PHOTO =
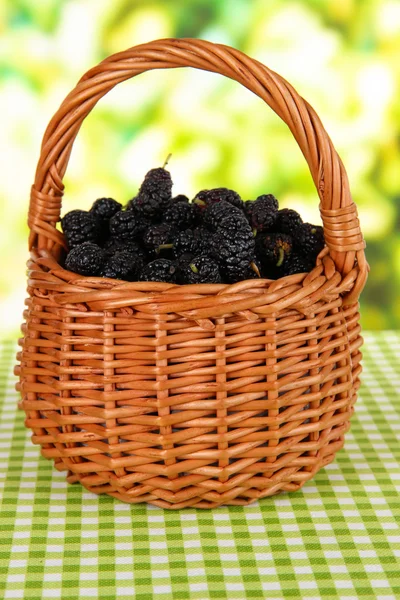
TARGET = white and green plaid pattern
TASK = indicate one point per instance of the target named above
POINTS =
(338, 537)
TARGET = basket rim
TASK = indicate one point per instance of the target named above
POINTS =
(204, 303)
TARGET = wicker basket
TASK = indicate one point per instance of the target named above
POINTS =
(197, 395)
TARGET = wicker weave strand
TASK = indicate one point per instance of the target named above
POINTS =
(191, 395)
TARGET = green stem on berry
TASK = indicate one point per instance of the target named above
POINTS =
(166, 160)
(255, 269)
(281, 257)
(199, 202)
(254, 232)
(164, 247)
(194, 268)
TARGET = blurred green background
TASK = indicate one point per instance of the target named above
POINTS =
(342, 56)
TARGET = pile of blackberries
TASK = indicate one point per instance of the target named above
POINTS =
(215, 238)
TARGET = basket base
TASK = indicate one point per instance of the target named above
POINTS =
(235, 496)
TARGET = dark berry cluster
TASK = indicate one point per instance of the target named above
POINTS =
(216, 238)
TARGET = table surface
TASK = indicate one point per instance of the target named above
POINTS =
(338, 537)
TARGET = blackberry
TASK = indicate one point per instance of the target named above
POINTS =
(158, 235)
(80, 226)
(201, 269)
(263, 212)
(309, 240)
(203, 240)
(86, 259)
(287, 221)
(180, 214)
(269, 199)
(184, 243)
(250, 271)
(160, 269)
(124, 264)
(273, 251)
(232, 243)
(126, 224)
(114, 245)
(297, 264)
(234, 251)
(224, 216)
(105, 208)
(193, 241)
(206, 198)
(181, 263)
(180, 198)
(154, 193)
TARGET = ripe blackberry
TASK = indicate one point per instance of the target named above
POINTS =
(234, 251)
(273, 251)
(309, 240)
(297, 264)
(181, 263)
(193, 241)
(263, 212)
(86, 259)
(105, 208)
(206, 198)
(201, 269)
(232, 243)
(158, 235)
(80, 226)
(126, 224)
(270, 199)
(113, 245)
(250, 271)
(288, 221)
(154, 193)
(180, 198)
(203, 240)
(160, 269)
(124, 264)
(184, 243)
(180, 214)
(224, 216)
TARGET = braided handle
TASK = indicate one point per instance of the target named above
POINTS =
(338, 211)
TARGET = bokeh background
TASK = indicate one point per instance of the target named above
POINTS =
(342, 56)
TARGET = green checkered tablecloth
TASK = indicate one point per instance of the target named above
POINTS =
(338, 537)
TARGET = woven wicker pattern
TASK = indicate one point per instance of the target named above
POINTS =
(191, 395)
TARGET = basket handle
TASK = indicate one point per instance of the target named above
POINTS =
(338, 211)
